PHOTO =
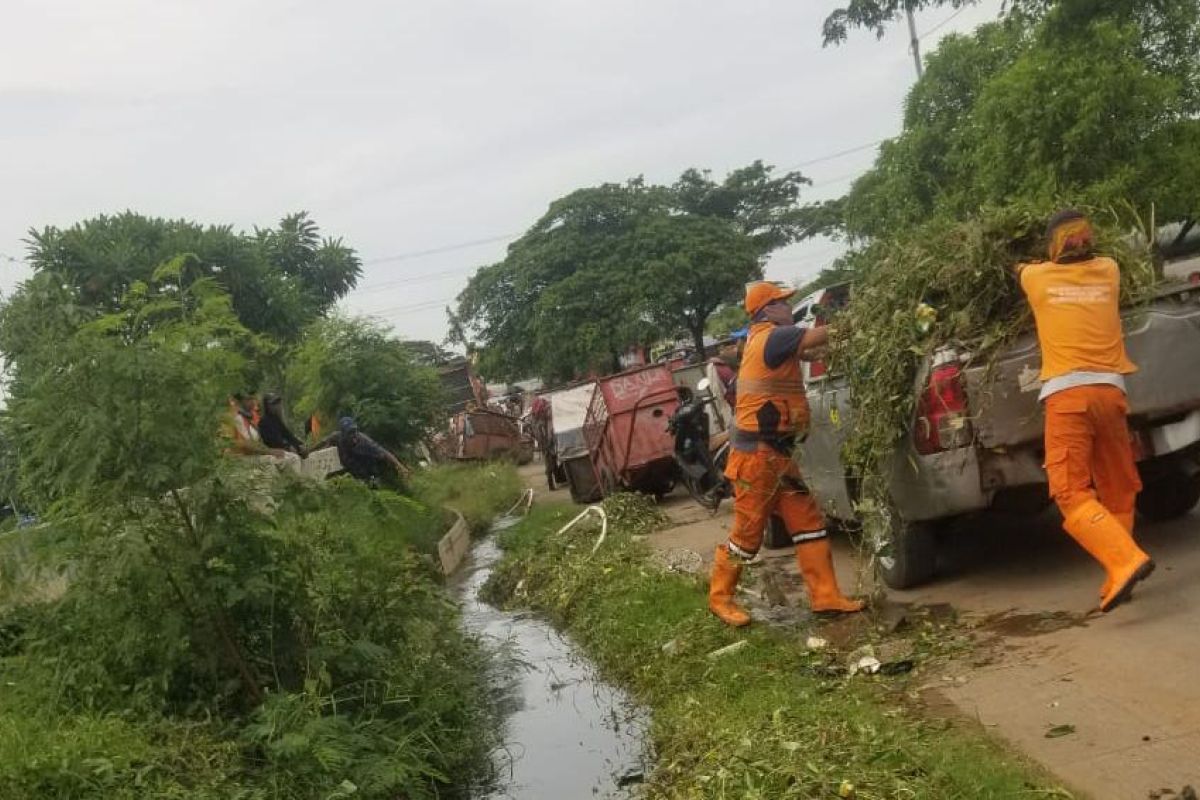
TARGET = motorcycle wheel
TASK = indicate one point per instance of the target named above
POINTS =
(694, 489)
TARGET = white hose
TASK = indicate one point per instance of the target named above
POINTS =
(581, 515)
(526, 498)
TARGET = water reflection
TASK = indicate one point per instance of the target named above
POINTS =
(567, 734)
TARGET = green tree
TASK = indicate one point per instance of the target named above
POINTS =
(1094, 103)
(279, 280)
(355, 367)
(875, 15)
(695, 265)
(619, 265)
(763, 206)
(127, 407)
(429, 354)
(726, 320)
(508, 313)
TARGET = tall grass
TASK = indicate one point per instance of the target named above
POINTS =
(477, 491)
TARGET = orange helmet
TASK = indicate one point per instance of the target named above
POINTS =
(759, 293)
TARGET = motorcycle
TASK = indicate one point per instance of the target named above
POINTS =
(701, 470)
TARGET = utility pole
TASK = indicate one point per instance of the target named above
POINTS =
(915, 45)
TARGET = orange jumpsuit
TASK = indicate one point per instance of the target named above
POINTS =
(771, 404)
(772, 410)
(1089, 459)
(1088, 452)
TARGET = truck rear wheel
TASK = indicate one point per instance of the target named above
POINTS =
(910, 559)
(1169, 495)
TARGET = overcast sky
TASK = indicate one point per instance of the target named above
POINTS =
(408, 127)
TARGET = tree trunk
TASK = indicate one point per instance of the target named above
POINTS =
(697, 332)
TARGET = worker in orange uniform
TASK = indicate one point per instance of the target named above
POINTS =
(771, 412)
(1089, 458)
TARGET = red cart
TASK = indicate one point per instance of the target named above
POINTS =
(626, 430)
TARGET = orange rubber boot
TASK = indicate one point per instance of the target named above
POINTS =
(816, 565)
(721, 586)
(1107, 540)
(1126, 520)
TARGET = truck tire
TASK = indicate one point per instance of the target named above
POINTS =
(1169, 495)
(911, 557)
(777, 535)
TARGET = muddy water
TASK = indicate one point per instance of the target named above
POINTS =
(566, 734)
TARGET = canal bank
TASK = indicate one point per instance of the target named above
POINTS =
(747, 713)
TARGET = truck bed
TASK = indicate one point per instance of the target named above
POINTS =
(1162, 338)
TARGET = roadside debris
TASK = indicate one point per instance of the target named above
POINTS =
(598, 511)
(631, 778)
(727, 649)
(682, 560)
(1060, 730)
(1187, 793)
(863, 660)
(815, 643)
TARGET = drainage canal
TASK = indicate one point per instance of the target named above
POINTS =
(566, 734)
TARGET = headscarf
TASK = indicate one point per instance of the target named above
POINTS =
(1069, 237)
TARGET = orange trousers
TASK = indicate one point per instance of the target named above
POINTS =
(1088, 451)
(768, 482)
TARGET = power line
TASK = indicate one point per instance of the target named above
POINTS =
(428, 276)
(420, 278)
(942, 24)
(503, 237)
(423, 306)
(443, 249)
(838, 154)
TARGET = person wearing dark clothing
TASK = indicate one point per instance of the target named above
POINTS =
(274, 432)
(361, 456)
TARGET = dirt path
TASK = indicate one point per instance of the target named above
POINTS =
(1128, 682)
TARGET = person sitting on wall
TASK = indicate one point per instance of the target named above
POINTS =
(274, 431)
(242, 431)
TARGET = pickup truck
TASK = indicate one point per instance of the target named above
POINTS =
(975, 442)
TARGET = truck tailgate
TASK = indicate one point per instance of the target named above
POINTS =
(1163, 339)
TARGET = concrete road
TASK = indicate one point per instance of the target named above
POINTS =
(1129, 681)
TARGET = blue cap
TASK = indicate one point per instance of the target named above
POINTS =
(347, 425)
(740, 333)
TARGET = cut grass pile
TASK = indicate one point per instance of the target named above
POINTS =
(764, 721)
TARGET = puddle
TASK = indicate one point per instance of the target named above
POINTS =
(1027, 625)
(566, 734)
